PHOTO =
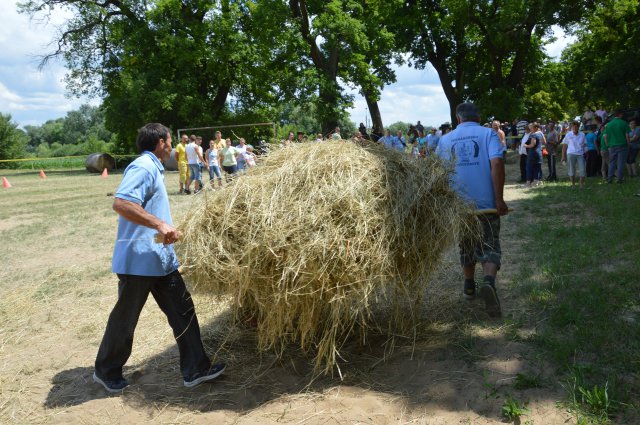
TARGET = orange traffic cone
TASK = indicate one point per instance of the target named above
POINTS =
(42, 175)
(5, 183)
(105, 174)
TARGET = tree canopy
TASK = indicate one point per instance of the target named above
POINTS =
(485, 51)
(190, 63)
(12, 140)
(601, 67)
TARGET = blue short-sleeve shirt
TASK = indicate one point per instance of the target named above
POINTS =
(472, 147)
(392, 142)
(433, 140)
(136, 252)
(591, 141)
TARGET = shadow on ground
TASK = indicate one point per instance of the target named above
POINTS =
(458, 360)
(253, 379)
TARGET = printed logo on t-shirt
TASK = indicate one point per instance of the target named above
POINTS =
(465, 150)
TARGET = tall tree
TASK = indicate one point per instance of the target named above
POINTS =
(547, 97)
(13, 141)
(173, 61)
(380, 51)
(602, 67)
(435, 32)
(347, 41)
(483, 50)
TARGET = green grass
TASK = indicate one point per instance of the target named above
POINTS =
(512, 409)
(45, 164)
(582, 291)
(59, 163)
(525, 381)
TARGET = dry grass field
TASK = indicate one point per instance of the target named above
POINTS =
(56, 291)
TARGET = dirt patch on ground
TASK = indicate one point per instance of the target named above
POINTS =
(12, 222)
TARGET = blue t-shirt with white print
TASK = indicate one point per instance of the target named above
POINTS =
(472, 147)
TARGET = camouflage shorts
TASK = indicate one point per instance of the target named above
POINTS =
(487, 248)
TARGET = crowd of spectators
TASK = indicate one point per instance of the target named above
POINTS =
(220, 156)
(596, 144)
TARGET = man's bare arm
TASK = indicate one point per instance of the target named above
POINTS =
(201, 158)
(497, 177)
(134, 213)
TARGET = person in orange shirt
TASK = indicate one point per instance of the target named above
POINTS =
(181, 157)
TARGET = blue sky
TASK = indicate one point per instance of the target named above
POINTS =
(31, 96)
(34, 96)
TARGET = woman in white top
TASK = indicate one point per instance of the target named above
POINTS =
(213, 159)
(574, 147)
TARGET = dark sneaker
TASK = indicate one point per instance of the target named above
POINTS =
(491, 302)
(469, 291)
(114, 386)
(187, 192)
(200, 377)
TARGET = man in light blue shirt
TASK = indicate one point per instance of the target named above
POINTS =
(391, 142)
(145, 267)
(433, 139)
(476, 154)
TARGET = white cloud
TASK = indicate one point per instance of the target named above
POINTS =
(417, 96)
(30, 95)
(562, 40)
(7, 96)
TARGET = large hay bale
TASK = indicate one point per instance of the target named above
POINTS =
(97, 162)
(317, 235)
(171, 164)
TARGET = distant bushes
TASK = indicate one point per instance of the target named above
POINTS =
(91, 145)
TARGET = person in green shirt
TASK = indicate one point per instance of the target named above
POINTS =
(616, 140)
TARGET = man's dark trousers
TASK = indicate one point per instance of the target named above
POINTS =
(174, 300)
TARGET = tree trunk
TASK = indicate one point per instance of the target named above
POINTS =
(326, 105)
(217, 106)
(452, 111)
(327, 66)
(453, 94)
(374, 111)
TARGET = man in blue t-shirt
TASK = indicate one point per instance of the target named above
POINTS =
(391, 142)
(433, 139)
(476, 153)
(144, 266)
